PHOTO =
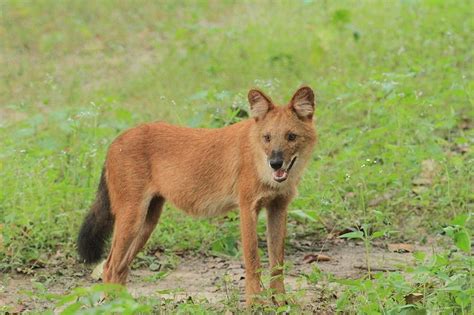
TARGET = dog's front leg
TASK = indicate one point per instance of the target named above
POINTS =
(248, 230)
(276, 232)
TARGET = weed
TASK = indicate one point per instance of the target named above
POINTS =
(439, 284)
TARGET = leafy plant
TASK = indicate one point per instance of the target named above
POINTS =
(367, 238)
(440, 284)
(459, 233)
(99, 299)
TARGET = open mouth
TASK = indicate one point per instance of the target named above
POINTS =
(280, 175)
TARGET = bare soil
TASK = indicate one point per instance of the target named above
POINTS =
(210, 278)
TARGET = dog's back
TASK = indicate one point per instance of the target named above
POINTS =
(195, 169)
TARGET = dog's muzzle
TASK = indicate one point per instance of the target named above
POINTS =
(281, 174)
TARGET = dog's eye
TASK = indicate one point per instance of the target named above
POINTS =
(291, 137)
(267, 138)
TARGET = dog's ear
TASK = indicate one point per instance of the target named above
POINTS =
(260, 104)
(302, 103)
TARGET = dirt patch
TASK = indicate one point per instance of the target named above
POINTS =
(206, 277)
(8, 115)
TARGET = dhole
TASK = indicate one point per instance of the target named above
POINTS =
(253, 164)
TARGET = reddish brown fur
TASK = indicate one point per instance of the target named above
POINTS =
(207, 172)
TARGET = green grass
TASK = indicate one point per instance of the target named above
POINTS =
(394, 83)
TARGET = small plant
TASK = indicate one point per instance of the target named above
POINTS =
(442, 283)
(232, 292)
(99, 299)
(364, 234)
(457, 230)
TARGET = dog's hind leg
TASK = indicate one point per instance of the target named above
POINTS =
(152, 217)
(133, 227)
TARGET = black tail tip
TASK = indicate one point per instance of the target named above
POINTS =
(91, 240)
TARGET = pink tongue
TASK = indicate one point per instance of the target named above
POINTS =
(280, 173)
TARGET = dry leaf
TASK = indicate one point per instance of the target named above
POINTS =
(98, 270)
(401, 248)
(461, 148)
(465, 124)
(429, 168)
(349, 195)
(413, 298)
(26, 270)
(420, 181)
(36, 263)
(337, 233)
(17, 309)
(310, 258)
(379, 199)
(419, 189)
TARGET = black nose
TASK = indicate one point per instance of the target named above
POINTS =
(276, 159)
(276, 164)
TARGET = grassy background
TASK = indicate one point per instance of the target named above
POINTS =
(394, 83)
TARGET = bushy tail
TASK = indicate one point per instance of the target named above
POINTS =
(97, 226)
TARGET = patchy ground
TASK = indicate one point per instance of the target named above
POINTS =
(215, 279)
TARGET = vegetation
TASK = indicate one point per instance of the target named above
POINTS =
(394, 84)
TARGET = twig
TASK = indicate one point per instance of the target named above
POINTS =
(391, 269)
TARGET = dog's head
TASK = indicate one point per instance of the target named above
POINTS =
(284, 134)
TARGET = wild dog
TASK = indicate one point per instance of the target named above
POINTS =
(256, 163)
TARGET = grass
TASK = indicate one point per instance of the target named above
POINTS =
(394, 84)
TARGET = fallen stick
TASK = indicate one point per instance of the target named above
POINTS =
(390, 269)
